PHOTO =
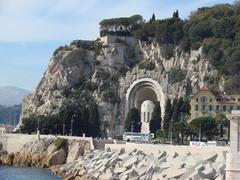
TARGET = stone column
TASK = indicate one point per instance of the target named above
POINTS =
(233, 156)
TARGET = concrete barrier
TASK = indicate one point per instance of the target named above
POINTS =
(170, 149)
(14, 142)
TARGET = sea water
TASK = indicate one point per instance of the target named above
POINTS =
(19, 173)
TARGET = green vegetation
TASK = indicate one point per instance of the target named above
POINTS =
(177, 75)
(160, 134)
(206, 125)
(155, 122)
(148, 65)
(167, 116)
(133, 121)
(116, 25)
(216, 29)
(84, 118)
(60, 143)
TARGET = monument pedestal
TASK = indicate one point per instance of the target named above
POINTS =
(233, 156)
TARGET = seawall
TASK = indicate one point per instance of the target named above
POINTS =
(12, 143)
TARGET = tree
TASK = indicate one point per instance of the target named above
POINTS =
(207, 125)
(160, 134)
(167, 116)
(223, 123)
(152, 19)
(94, 124)
(177, 109)
(155, 122)
(175, 15)
(28, 125)
(133, 120)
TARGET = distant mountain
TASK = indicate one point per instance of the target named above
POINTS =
(10, 115)
(10, 96)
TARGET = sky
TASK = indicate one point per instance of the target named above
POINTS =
(30, 30)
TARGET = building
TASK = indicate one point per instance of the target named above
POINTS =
(204, 103)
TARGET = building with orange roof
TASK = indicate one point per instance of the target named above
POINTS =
(204, 103)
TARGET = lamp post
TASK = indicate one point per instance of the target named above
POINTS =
(132, 128)
(200, 132)
(63, 128)
(72, 124)
(38, 130)
(171, 133)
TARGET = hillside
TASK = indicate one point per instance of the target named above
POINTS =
(180, 55)
(10, 96)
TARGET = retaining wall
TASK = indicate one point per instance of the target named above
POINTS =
(14, 142)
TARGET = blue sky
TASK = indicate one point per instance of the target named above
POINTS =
(31, 29)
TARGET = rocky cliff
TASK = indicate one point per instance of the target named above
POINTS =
(103, 70)
(45, 152)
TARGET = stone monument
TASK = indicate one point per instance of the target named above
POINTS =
(233, 157)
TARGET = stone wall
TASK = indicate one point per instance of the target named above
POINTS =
(12, 143)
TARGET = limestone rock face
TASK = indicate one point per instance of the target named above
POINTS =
(103, 70)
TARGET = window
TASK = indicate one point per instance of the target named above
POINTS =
(148, 116)
(217, 107)
(210, 107)
(224, 108)
(238, 107)
(231, 108)
(196, 107)
(204, 99)
(210, 100)
(238, 99)
(203, 108)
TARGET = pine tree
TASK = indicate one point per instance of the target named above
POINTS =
(167, 116)
(133, 120)
(156, 119)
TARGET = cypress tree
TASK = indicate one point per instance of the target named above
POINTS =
(94, 125)
(167, 116)
(133, 117)
(156, 119)
(152, 19)
(176, 15)
(177, 110)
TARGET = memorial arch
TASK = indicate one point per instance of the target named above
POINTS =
(144, 92)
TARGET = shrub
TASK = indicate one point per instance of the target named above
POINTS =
(177, 75)
(148, 65)
(60, 143)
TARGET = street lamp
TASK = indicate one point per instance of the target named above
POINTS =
(200, 132)
(72, 124)
(63, 128)
(38, 130)
(171, 133)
